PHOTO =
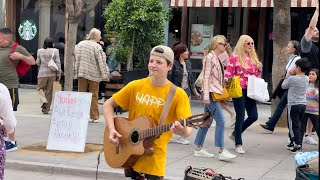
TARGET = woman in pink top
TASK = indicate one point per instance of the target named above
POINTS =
(243, 62)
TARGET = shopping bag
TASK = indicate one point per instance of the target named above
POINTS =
(257, 89)
(56, 87)
(234, 89)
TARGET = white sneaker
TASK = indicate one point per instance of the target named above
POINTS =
(309, 140)
(225, 155)
(239, 150)
(181, 140)
(203, 153)
(178, 139)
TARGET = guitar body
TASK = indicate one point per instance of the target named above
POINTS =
(138, 136)
(130, 147)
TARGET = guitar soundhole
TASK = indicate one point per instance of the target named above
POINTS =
(134, 136)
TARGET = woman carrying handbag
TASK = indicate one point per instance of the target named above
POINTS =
(213, 83)
(47, 75)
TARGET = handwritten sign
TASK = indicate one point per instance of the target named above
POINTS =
(69, 121)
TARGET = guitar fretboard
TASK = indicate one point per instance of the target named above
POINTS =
(157, 130)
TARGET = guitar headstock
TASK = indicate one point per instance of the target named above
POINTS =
(200, 120)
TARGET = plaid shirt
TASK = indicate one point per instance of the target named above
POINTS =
(90, 62)
(213, 74)
(43, 57)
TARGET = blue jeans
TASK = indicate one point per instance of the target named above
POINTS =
(219, 133)
(282, 104)
(240, 105)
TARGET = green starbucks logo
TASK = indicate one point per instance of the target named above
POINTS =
(27, 30)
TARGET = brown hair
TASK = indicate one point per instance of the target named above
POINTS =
(178, 50)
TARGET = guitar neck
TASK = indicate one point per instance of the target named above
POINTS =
(157, 130)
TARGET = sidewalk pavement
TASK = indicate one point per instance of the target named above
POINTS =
(266, 155)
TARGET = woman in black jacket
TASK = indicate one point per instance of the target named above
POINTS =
(182, 77)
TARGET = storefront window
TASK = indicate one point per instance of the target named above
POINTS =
(48, 20)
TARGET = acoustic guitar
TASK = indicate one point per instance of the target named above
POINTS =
(138, 136)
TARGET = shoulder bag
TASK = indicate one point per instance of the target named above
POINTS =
(225, 95)
(278, 92)
(22, 68)
(51, 64)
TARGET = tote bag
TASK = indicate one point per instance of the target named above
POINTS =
(234, 89)
(257, 89)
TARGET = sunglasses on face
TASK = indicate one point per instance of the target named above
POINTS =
(249, 43)
(223, 44)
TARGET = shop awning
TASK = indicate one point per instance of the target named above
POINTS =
(238, 3)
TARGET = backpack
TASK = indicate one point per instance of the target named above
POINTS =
(22, 68)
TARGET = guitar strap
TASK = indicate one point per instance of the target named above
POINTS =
(167, 104)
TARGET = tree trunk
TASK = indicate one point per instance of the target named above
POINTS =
(69, 59)
(130, 58)
(75, 10)
(281, 37)
(2, 13)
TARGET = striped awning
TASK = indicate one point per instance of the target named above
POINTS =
(239, 3)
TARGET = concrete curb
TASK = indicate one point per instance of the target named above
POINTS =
(60, 169)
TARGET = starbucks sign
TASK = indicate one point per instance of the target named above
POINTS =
(27, 30)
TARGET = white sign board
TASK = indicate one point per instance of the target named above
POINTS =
(69, 121)
(201, 35)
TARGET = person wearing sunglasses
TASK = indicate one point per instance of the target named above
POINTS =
(213, 66)
(146, 97)
(243, 62)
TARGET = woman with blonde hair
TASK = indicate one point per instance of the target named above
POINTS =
(213, 83)
(243, 62)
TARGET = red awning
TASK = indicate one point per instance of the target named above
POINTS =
(239, 3)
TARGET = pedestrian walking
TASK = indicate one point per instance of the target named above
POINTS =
(46, 75)
(182, 77)
(146, 97)
(213, 83)
(243, 62)
(293, 50)
(7, 121)
(8, 74)
(90, 68)
(297, 87)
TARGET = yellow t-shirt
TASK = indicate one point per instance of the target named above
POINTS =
(140, 97)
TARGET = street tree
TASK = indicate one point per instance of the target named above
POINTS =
(2, 13)
(139, 24)
(281, 37)
(74, 10)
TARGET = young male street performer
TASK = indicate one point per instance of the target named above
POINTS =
(146, 97)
